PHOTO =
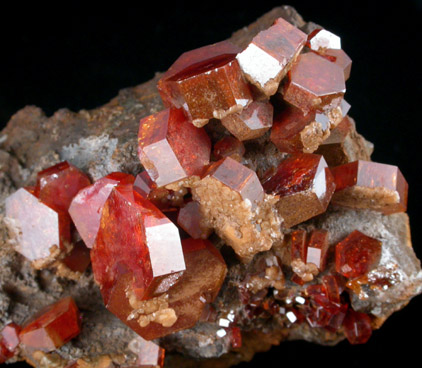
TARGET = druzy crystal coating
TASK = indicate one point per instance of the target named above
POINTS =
(207, 83)
(269, 56)
(171, 148)
(52, 327)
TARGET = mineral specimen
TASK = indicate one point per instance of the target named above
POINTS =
(286, 231)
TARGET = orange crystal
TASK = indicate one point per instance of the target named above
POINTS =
(316, 252)
(357, 254)
(304, 186)
(269, 56)
(357, 327)
(38, 229)
(52, 327)
(58, 185)
(366, 184)
(87, 205)
(136, 241)
(170, 148)
(229, 146)
(9, 341)
(252, 122)
(314, 83)
(189, 219)
(206, 82)
(238, 178)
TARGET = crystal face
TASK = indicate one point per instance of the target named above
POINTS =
(302, 178)
(148, 353)
(269, 56)
(40, 230)
(357, 254)
(321, 39)
(314, 83)
(365, 184)
(207, 83)
(85, 209)
(170, 148)
(52, 327)
(9, 341)
(189, 219)
(147, 235)
(252, 122)
(229, 146)
(341, 59)
(357, 327)
(57, 185)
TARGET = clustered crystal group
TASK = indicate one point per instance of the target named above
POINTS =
(147, 237)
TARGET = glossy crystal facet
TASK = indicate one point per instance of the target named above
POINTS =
(303, 179)
(39, 230)
(366, 184)
(57, 185)
(321, 39)
(207, 83)
(52, 327)
(357, 254)
(189, 219)
(86, 206)
(170, 148)
(135, 240)
(314, 83)
(229, 146)
(269, 56)
(252, 122)
(357, 327)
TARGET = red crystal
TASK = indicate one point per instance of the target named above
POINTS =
(357, 327)
(357, 254)
(235, 337)
(252, 122)
(87, 205)
(170, 148)
(321, 39)
(137, 240)
(332, 288)
(314, 83)
(148, 353)
(143, 184)
(317, 249)
(189, 219)
(300, 179)
(9, 341)
(206, 82)
(268, 57)
(239, 178)
(58, 185)
(298, 245)
(78, 259)
(39, 229)
(229, 147)
(52, 327)
(341, 59)
(365, 184)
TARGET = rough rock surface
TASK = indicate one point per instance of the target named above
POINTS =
(103, 140)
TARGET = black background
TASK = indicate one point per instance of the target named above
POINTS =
(75, 57)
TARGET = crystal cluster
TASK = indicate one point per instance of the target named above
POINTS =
(155, 239)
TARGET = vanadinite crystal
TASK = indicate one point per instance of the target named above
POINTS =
(229, 146)
(365, 184)
(269, 56)
(136, 243)
(52, 327)
(9, 341)
(171, 148)
(207, 83)
(252, 122)
(189, 219)
(40, 231)
(87, 205)
(314, 83)
(57, 185)
(357, 327)
(300, 179)
(148, 354)
(357, 254)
